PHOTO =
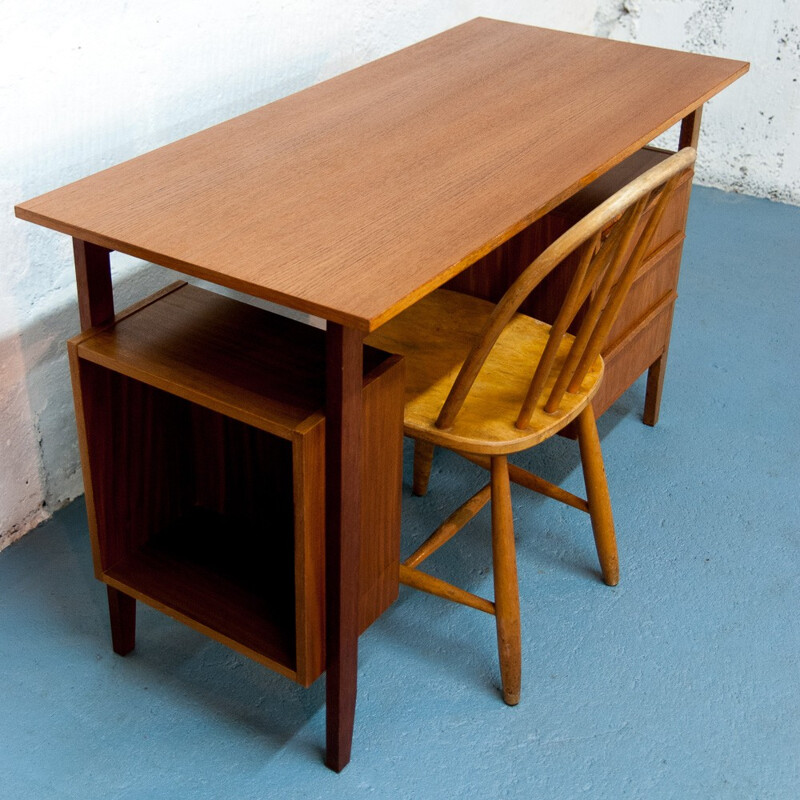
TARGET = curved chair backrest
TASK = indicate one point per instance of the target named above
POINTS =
(610, 243)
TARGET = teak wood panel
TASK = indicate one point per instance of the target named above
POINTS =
(625, 364)
(494, 273)
(355, 197)
(213, 520)
(654, 289)
(229, 356)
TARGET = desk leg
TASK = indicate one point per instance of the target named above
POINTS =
(655, 385)
(688, 137)
(655, 381)
(96, 307)
(690, 129)
(93, 276)
(343, 530)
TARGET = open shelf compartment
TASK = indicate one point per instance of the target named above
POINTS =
(202, 433)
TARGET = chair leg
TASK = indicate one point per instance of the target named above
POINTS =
(506, 589)
(423, 459)
(594, 476)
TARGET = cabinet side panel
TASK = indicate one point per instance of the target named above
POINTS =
(137, 451)
(94, 505)
(381, 490)
(308, 470)
(379, 560)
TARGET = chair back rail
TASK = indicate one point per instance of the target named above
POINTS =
(612, 245)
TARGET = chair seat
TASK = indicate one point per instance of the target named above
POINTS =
(435, 336)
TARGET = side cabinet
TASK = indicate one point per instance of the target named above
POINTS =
(640, 337)
(202, 433)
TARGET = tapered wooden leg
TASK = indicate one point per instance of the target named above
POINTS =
(655, 381)
(594, 476)
(122, 611)
(423, 459)
(690, 129)
(96, 307)
(688, 137)
(506, 589)
(655, 385)
(343, 529)
(93, 278)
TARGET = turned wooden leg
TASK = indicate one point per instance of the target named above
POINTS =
(423, 459)
(506, 589)
(594, 476)
(122, 611)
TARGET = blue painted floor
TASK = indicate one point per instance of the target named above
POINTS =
(682, 682)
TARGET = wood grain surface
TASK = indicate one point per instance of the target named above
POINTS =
(436, 335)
(354, 197)
(203, 442)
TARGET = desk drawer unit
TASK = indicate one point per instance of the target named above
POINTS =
(641, 333)
(202, 431)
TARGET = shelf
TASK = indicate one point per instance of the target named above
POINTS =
(245, 595)
(234, 358)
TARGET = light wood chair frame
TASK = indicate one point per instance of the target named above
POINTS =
(610, 243)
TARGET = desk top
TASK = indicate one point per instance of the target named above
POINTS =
(353, 198)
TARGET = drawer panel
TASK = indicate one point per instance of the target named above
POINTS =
(657, 278)
(489, 277)
(672, 222)
(626, 362)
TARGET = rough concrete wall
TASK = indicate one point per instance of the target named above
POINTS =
(749, 137)
(86, 85)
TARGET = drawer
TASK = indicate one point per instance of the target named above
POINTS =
(657, 278)
(489, 277)
(674, 219)
(632, 355)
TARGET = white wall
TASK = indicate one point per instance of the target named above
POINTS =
(88, 83)
(749, 138)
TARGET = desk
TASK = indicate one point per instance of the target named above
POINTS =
(354, 198)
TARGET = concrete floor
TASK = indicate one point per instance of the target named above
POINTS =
(682, 682)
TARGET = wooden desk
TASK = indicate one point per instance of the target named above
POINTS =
(355, 197)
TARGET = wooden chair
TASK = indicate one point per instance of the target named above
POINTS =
(486, 381)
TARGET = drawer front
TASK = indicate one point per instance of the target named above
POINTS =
(672, 222)
(626, 362)
(641, 332)
(489, 277)
(658, 277)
